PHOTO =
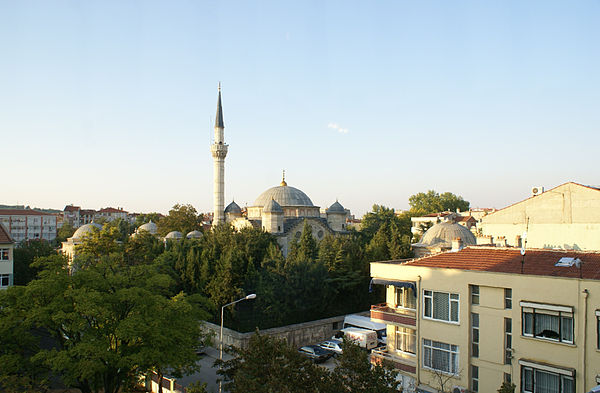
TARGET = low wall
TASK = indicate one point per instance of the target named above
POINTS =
(296, 335)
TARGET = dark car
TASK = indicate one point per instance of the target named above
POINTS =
(315, 353)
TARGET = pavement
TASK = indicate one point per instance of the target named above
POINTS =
(207, 373)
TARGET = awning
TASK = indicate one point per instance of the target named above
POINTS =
(396, 283)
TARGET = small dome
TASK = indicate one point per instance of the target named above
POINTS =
(174, 235)
(86, 230)
(194, 235)
(445, 232)
(336, 208)
(233, 208)
(272, 207)
(284, 196)
(148, 227)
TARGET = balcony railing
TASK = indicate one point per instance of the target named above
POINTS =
(381, 354)
(395, 315)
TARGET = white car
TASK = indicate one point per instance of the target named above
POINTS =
(334, 346)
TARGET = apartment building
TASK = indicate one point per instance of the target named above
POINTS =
(111, 213)
(471, 319)
(6, 258)
(28, 224)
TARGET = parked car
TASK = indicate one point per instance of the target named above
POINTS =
(334, 346)
(315, 353)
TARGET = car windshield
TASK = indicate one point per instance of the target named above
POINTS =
(319, 350)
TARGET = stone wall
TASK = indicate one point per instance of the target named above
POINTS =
(296, 335)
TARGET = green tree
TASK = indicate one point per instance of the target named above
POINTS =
(147, 217)
(25, 254)
(507, 387)
(433, 202)
(64, 232)
(354, 373)
(270, 365)
(306, 248)
(110, 322)
(181, 218)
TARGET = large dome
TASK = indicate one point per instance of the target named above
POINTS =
(149, 227)
(445, 232)
(85, 230)
(285, 196)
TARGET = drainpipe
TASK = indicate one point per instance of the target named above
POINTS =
(584, 338)
(418, 320)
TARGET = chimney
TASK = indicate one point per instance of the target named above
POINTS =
(457, 244)
(485, 240)
(501, 241)
(518, 241)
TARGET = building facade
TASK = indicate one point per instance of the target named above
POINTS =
(471, 319)
(28, 224)
(6, 258)
(566, 217)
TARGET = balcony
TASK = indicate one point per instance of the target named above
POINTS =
(381, 354)
(394, 315)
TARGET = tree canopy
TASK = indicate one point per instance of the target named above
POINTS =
(433, 202)
(181, 218)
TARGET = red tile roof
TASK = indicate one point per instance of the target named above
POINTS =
(464, 218)
(23, 212)
(538, 262)
(4, 235)
(71, 208)
(111, 210)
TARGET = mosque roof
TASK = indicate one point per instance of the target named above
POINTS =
(194, 235)
(272, 207)
(149, 227)
(336, 208)
(284, 195)
(86, 230)
(219, 118)
(445, 232)
(233, 208)
(174, 235)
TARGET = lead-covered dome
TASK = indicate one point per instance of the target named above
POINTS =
(336, 208)
(445, 232)
(194, 235)
(272, 207)
(174, 235)
(85, 230)
(284, 195)
(233, 208)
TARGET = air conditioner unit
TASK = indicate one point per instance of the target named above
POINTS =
(459, 389)
(537, 190)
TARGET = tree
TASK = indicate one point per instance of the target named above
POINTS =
(433, 202)
(306, 248)
(147, 217)
(64, 232)
(25, 254)
(354, 372)
(110, 322)
(181, 218)
(270, 365)
(507, 387)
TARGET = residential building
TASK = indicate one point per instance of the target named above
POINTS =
(111, 214)
(6, 258)
(482, 315)
(565, 217)
(71, 214)
(28, 224)
(86, 216)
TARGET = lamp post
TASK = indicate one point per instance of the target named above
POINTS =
(251, 296)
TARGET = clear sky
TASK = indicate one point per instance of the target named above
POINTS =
(112, 103)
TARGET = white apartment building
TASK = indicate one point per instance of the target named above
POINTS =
(6, 258)
(28, 224)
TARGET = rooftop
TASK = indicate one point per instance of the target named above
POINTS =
(4, 235)
(23, 212)
(538, 262)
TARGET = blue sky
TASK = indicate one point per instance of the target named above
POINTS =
(112, 103)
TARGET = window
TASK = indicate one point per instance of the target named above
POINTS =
(507, 298)
(507, 378)
(406, 340)
(474, 294)
(440, 356)
(548, 322)
(475, 335)
(534, 380)
(405, 298)
(507, 340)
(4, 280)
(474, 379)
(3, 254)
(441, 306)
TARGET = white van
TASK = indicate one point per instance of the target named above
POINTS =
(360, 321)
(364, 338)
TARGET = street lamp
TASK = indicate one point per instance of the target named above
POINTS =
(251, 296)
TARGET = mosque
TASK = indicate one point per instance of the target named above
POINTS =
(280, 210)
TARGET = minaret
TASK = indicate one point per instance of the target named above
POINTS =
(219, 151)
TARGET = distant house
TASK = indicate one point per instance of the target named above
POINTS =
(71, 214)
(28, 224)
(6, 258)
(111, 213)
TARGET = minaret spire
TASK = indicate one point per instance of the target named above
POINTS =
(219, 152)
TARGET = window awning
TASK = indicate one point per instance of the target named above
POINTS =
(396, 283)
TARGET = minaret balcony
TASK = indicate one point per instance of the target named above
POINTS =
(219, 150)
